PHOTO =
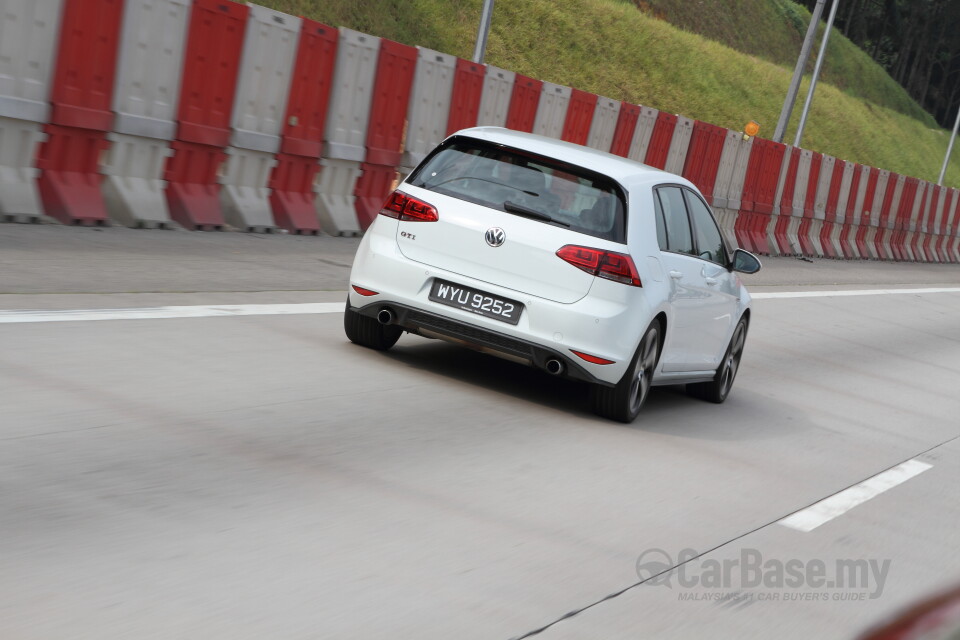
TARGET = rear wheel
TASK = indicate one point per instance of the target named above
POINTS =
(368, 332)
(622, 402)
(718, 389)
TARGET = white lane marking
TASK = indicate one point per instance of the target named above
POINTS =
(152, 313)
(829, 508)
(208, 311)
(851, 292)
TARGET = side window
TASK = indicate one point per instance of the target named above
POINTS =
(679, 238)
(709, 240)
(661, 223)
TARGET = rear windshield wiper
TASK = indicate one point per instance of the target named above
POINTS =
(513, 207)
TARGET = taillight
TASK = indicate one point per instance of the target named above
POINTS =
(403, 207)
(611, 265)
(590, 358)
(364, 292)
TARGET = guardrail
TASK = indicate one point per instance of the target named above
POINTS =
(208, 113)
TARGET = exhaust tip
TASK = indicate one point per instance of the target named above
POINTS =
(555, 367)
(385, 316)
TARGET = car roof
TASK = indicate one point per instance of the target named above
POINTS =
(617, 167)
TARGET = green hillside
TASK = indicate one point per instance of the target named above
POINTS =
(774, 30)
(625, 49)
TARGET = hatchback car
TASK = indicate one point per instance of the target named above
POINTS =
(580, 263)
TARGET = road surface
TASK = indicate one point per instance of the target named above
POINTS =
(258, 476)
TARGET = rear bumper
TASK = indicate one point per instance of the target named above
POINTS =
(431, 325)
(606, 323)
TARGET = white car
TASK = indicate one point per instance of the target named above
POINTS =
(577, 262)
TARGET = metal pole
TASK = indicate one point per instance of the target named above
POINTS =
(483, 31)
(946, 158)
(816, 74)
(798, 73)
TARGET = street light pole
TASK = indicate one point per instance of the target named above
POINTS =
(816, 74)
(798, 73)
(483, 31)
(946, 158)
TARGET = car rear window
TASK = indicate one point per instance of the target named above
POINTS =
(525, 184)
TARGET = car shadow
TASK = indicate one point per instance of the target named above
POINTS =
(746, 415)
(493, 373)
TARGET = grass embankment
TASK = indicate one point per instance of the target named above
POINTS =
(774, 30)
(616, 49)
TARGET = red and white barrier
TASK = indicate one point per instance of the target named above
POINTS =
(623, 132)
(905, 205)
(879, 201)
(947, 228)
(552, 110)
(642, 133)
(768, 191)
(836, 212)
(344, 141)
(658, 148)
(208, 86)
(208, 112)
(703, 157)
(731, 170)
(828, 225)
(429, 105)
(799, 200)
(805, 230)
(869, 179)
(758, 195)
(932, 222)
(29, 32)
(952, 246)
(266, 69)
(883, 238)
(786, 189)
(396, 66)
(814, 224)
(941, 230)
(145, 100)
(291, 185)
(679, 144)
(524, 103)
(854, 209)
(910, 225)
(916, 235)
(81, 115)
(579, 116)
(604, 125)
(468, 84)
(495, 99)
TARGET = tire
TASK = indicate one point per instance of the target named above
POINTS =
(718, 389)
(367, 332)
(623, 402)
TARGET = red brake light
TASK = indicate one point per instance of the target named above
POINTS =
(364, 292)
(403, 207)
(590, 358)
(611, 265)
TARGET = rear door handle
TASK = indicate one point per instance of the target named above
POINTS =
(676, 275)
(710, 281)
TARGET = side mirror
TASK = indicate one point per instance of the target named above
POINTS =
(745, 262)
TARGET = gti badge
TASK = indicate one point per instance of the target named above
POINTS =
(495, 236)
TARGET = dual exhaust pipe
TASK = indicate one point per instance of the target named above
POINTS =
(554, 366)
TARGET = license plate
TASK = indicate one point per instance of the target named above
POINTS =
(475, 301)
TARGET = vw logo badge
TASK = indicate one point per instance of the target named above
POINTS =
(495, 236)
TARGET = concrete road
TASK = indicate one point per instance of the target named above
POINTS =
(57, 259)
(260, 477)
